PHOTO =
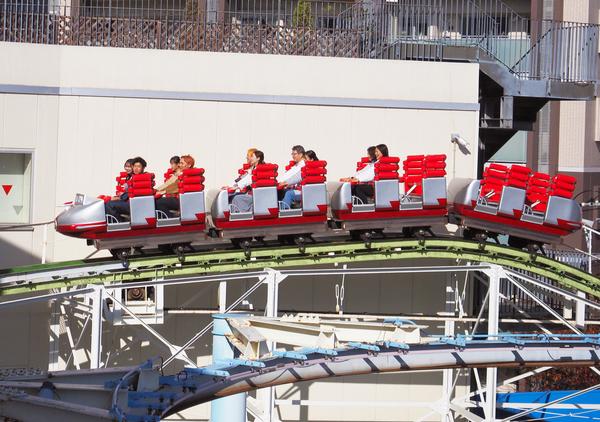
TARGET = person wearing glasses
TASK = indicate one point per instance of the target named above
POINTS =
(292, 177)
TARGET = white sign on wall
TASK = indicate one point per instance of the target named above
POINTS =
(15, 187)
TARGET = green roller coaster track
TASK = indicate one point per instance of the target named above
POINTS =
(211, 262)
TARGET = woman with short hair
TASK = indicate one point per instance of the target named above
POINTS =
(170, 204)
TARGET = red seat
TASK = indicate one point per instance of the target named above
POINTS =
(264, 175)
(141, 185)
(362, 163)
(387, 168)
(121, 179)
(434, 165)
(495, 177)
(537, 192)
(191, 180)
(168, 174)
(518, 176)
(413, 168)
(290, 165)
(314, 172)
(563, 185)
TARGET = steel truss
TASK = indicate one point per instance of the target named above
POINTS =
(40, 278)
(21, 393)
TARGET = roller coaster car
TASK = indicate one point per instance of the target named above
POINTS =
(270, 217)
(418, 199)
(146, 227)
(513, 201)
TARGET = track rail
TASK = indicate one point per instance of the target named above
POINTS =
(77, 273)
(115, 393)
(479, 354)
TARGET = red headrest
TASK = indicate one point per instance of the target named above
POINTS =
(415, 158)
(389, 160)
(141, 177)
(435, 157)
(498, 167)
(490, 172)
(565, 178)
(318, 163)
(193, 172)
(365, 160)
(520, 169)
(265, 167)
(290, 165)
(541, 176)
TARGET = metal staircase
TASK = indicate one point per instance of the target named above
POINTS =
(523, 63)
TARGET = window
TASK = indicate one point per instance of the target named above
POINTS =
(15, 187)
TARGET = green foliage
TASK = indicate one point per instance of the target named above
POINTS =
(302, 16)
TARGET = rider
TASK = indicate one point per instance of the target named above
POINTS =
(292, 177)
(120, 204)
(362, 189)
(170, 203)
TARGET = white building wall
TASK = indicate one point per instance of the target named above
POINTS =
(113, 105)
(83, 111)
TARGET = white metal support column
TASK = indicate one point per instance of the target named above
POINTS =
(267, 395)
(580, 311)
(493, 316)
(96, 345)
(580, 306)
(448, 374)
(222, 296)
(54, 349)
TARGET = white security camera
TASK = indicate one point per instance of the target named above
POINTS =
(455, 138)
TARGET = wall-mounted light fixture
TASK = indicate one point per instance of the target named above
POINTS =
(455, 138)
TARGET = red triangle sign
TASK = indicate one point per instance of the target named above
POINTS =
(7, 188)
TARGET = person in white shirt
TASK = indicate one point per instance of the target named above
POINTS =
(242, 202)
(295, 195)
(243, 180)
(292, 177)
(362, 190)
